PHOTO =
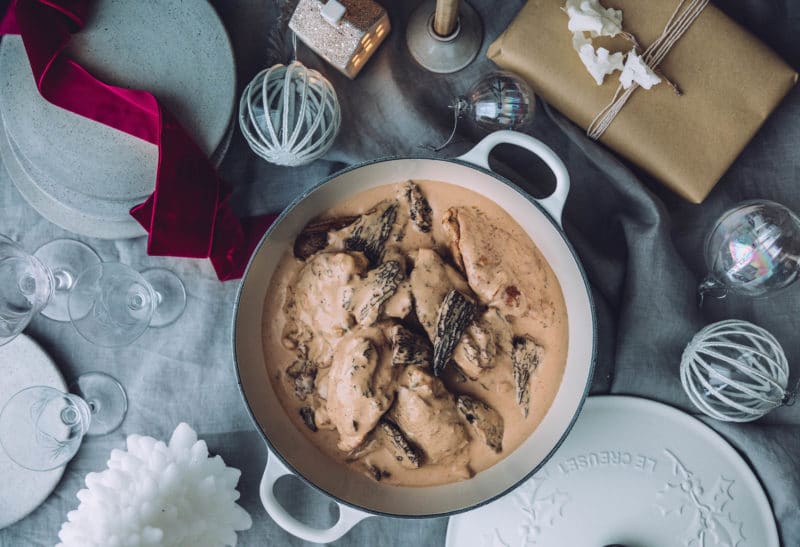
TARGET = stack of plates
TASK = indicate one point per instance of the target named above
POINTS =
(85, 176)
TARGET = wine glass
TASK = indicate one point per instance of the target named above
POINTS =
(112, 304)
(30, 284)
(41, 428)
(66, 259)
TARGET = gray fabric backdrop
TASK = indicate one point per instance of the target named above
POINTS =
(640, 245)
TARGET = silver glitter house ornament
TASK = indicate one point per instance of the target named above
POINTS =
(345, 33)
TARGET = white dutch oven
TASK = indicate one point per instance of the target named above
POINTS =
(358, 496)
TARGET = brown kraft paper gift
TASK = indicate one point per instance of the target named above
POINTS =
(729, 79)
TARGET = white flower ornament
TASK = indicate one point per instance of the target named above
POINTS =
(162, 495)
(636, 70)
(590, 16)
(598, 62)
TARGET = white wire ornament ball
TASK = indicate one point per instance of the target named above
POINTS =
(289, 114)
(735, 371)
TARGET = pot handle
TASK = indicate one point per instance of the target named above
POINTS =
(554, 203)
(348, 517)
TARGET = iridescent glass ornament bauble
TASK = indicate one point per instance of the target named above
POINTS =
(500, 100)
(753, 249)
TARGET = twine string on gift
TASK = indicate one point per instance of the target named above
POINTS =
(678, 24)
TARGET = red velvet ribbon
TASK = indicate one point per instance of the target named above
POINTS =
(188, 214)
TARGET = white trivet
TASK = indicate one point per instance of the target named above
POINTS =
(631, 472)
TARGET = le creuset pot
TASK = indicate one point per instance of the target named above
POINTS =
(358, 496)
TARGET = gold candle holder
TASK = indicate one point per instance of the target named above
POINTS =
(445, 17)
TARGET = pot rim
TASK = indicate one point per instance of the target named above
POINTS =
(273, 452)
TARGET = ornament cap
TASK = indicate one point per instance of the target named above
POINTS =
(333, 11)
(710, 286)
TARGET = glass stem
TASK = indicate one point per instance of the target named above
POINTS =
(82, 416)
(63, 280)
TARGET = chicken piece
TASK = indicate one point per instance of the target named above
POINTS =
(455, 315)
(485, 421)
(525, 359)
(485, 344)
(319, 400)
(431, 280)
(315, 315)
(360, 386)
(400, 304)
(409, 348)
(509, 277)
(322, 383)
(419, 210)
(369, 233)
(426, 414)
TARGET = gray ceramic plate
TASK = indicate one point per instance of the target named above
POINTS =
(178, 50)
(24, 364)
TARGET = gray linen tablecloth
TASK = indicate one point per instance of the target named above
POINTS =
(640, 245)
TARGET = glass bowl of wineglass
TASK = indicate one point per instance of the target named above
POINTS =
(41, 428)
(111, 304)
(30, 284)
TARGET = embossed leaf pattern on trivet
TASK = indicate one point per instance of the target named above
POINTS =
(540, 508)
(494, 539)
(711, 524)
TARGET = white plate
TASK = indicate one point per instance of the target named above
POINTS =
(24, 364)
(633, 472)
(55, 212)
(178, 50)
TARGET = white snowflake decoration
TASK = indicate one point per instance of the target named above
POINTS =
(155, 494)
(598, 62)
(636, 70)
(590, 16)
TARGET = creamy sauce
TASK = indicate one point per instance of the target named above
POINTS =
(545, 322)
